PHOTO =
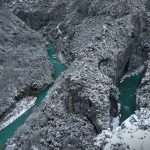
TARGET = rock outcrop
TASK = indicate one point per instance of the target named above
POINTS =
(73, 25)
(25, 69)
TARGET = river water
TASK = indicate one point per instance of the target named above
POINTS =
(9, 131)
(127, 89)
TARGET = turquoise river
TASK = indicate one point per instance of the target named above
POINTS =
(127, 90)
(9, 131)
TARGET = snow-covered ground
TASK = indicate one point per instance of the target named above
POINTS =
(133, 134)
(115, 122)
(21, 107)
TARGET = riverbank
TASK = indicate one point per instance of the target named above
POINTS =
(7, 132)
(20, 108)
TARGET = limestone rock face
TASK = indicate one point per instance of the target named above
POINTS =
(100, 41)
(24, 64)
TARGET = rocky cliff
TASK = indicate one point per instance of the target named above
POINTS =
(101, 40)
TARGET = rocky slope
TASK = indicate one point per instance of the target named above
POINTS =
(100, 41)
(24, 65)
(73, 25)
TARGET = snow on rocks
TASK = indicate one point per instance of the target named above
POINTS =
(133, 134)
(20, 108)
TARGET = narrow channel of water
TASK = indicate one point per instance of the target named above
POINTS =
(58, 67)
(9, 131)
(127, 90)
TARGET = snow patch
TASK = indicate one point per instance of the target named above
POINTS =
(133, 134)
(115, 122)
(20, 108)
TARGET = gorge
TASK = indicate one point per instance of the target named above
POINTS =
(9, 131)
(101, 101)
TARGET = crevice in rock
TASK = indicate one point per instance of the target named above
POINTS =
(28, 91)
(137, 56)
(39, 18)
(81, 105)
(76, 105)
(126, 68)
